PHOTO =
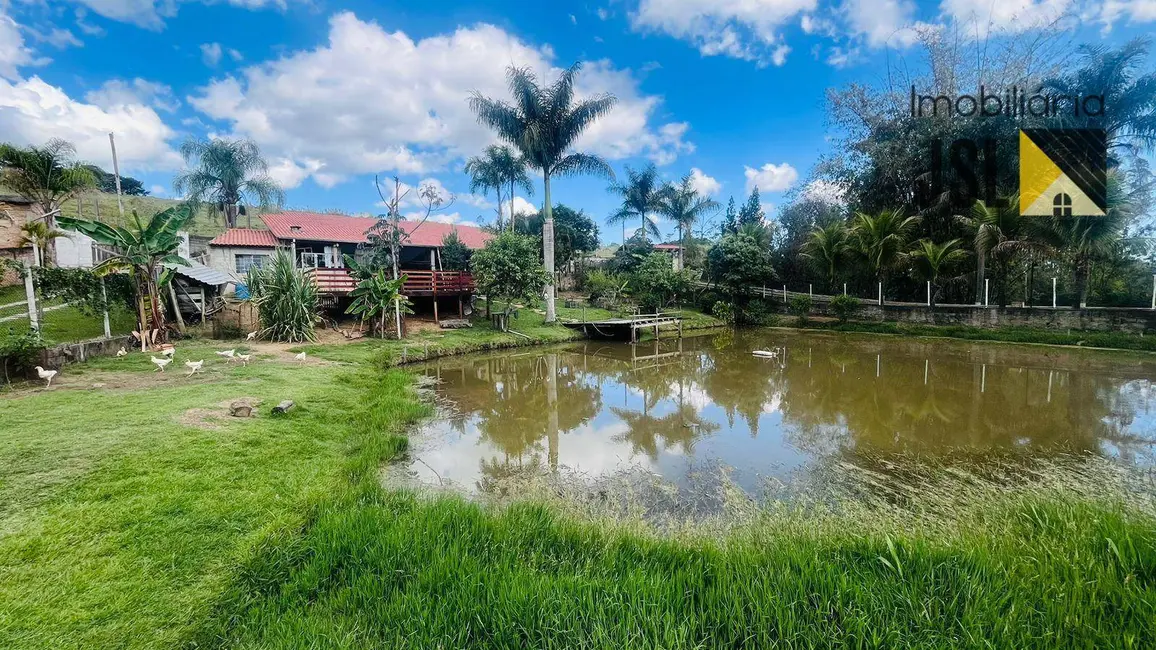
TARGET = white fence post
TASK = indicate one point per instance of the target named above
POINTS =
(1153, 290)
(986, 286)
(929, 293)
(784, 293)
(880, 294)
(1053, 293)
(811, 290)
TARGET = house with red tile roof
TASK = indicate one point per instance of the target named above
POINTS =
(320, 241)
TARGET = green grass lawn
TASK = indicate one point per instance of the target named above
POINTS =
(64, 325)
(138, 515)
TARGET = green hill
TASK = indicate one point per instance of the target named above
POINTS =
(206, 222)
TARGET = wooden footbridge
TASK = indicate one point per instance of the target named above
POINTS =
(627, 328)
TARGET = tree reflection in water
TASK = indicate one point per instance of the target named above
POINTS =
(596, 405)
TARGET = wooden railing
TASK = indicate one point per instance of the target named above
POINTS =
(437, 283)
(417, 283)
(335, 281)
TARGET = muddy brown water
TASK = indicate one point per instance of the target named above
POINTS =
(671, 408)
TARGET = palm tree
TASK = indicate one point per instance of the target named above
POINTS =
(543, 123)
(879, 239)
(683, 205)
(41, 235)
(142, 249)
(47, 176)
(643, 194)
(992, 229)
(225, 173)
(826, 250)
(498, 168)
(484, 176)
(1084, 240)
(929, 261)
(1129, 115)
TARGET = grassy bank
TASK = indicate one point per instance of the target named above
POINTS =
(137, 515)
(62, 325)
(1116, 340)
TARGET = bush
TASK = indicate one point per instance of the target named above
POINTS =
(19, 353)
(844, 307)
(286, 299)
(655, 283)
(723, 311)
(761, 312)
(800, 306)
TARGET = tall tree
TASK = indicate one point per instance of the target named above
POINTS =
(930, 261)
(752, 210)
(879, 239)
(683, 205)
(47, 176)
(226, 172)
(498, 168)
(484, 176)
(643, 194)
(730, 223)
(575, 233)
(543, 123)
(993, 229)
(827, 249)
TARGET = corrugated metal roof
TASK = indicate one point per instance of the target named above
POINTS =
(248, 237)
(337, 228)
(201, 273)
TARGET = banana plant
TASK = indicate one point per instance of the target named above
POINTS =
(141, 249)
(375, 296)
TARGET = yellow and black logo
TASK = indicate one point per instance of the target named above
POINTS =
(1063, 172)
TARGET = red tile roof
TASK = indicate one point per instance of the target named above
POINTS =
(666, 247)
(250, 237)
(337, 228)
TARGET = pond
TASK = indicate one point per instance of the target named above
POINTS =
(671, 408)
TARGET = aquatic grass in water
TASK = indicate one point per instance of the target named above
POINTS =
(1063, 558)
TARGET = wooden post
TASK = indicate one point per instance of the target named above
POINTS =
(176, 305)
(104, 298)
(204, 305)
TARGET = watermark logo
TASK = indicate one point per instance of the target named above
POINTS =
(1063, 172)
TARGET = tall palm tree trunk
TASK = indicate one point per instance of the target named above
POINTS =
(548, 248)
(512, 205)
(680, 247)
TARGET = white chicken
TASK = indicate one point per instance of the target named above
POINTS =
(194, 366)
(169, 351)
(160, 363)
(244, 358)
(121, 352)
(251, 336)
(300, 356)
(46, 375)
(228, 354)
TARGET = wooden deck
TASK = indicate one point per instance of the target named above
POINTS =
(627, 328)
(338, 282)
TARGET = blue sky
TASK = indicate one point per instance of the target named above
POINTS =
(335, 91)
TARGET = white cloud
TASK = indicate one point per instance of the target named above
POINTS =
(32, 112)
(371, 100)
(115, 92)
(158, 190)
(703, 184)
(743, 29)
(771, 177)
(235, 55)
(883, 22)
(521, 207)
(13, 52)
(211, 54)
(1136, 11)
(59, 38)
(87, 28)
(477, 201)
(1006, 16)
(151, 14)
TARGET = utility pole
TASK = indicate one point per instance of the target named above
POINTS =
(120, 208)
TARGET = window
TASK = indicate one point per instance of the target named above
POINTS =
(1062, 205)
(246, 262)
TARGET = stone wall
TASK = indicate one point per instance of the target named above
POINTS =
(1102, 319)
(57, 356)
